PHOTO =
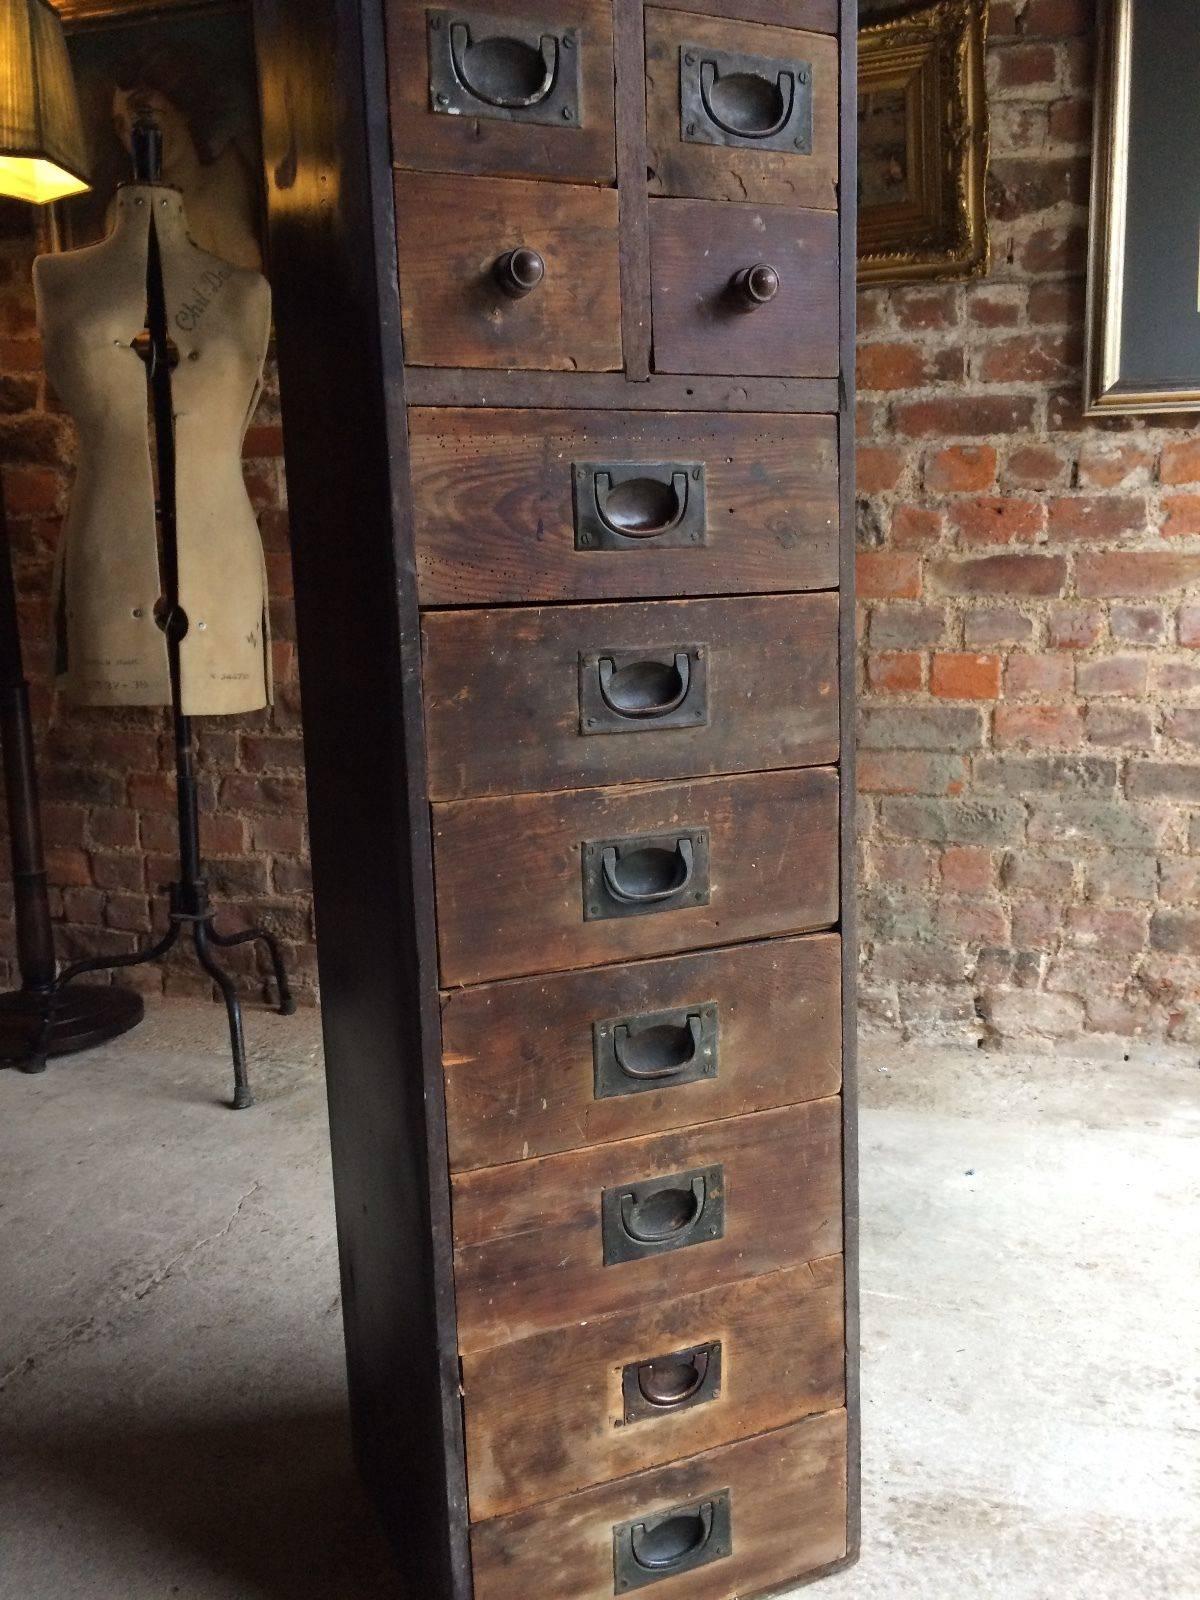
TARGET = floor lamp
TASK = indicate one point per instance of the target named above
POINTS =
(42, 158)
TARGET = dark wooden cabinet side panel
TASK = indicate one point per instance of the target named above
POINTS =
(847, 223)
(337, 317)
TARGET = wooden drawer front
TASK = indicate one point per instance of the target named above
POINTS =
(444, 127)
(511, 873)
(705, 150)
(526, 1061)
(566, 697)
(531, 1238)
(759, 1354)
(786, 1494)
(698, 248)
(495, 494)
(452, 233)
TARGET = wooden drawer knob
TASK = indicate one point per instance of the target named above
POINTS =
(754, 286)
(519, 271)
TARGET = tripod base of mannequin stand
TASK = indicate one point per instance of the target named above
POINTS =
(189, 911)
(79, 1019)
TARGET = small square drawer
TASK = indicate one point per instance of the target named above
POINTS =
(507, 88)
(625, 1393)
(738, 111)
(744, 290)
(540, 1065)
(748, 1519)
(566, 697)
(591, 505)
(500, 273)
(552, 1243)
(546, 883)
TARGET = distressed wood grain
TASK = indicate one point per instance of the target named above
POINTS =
(698, 246)
(545, 1416)
(506, 692)
(528, 1245)
(519, 1065)
(788, 1491)
(510, 873)
(451, 231)
(718, 172)
(494, 508)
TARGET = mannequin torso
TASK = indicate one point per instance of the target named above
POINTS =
(91, 309)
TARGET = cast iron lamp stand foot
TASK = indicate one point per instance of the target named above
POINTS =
(34, 1022)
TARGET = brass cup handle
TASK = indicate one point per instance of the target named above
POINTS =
(642, 508)
(754, 286)
(519, 272)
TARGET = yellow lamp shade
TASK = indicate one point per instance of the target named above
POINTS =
(43, 153)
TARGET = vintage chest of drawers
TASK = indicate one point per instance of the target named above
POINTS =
(564, 306)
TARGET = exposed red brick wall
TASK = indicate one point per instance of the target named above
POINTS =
(1030, 592)
(108, 776)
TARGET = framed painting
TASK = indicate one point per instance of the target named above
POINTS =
(190, 64)
(923, 144)
(1143, 344)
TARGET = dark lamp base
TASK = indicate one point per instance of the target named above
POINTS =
(81, 1017)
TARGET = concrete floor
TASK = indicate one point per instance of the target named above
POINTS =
(171, 1388)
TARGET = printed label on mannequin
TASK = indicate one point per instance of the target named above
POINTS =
(187, 318)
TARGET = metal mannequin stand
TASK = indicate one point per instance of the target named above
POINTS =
(189, 907)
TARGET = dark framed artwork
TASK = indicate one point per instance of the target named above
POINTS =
(1143, 346)
(191, 64)
(923, 143)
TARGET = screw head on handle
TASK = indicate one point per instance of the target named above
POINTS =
(755, 286)
(520, 271)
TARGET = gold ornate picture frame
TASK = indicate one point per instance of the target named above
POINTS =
(923, 144)
(1143, 323)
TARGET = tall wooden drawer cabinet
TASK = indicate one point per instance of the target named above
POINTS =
(564, 315)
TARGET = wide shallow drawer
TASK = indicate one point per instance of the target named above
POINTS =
(551, 1243)
(458, 75)
(454, 235)
(738, 111)
(538, 1065)
(502, 501)
(567, 697)
(622, 1394)
(748, 1519)
(543, 883)
(701, 251)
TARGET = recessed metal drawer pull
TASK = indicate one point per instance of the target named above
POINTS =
(652, 1548)
(514, 69)
(673, 1383)
(748, 104)
(643, 1057)
(650, 875)
(646, 688)
(502, 71)
(626, 505)
(751, 102)
(666, 1213)
(642, 508)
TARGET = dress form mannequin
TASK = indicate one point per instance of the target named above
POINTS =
(163, 592)
(91, 311)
